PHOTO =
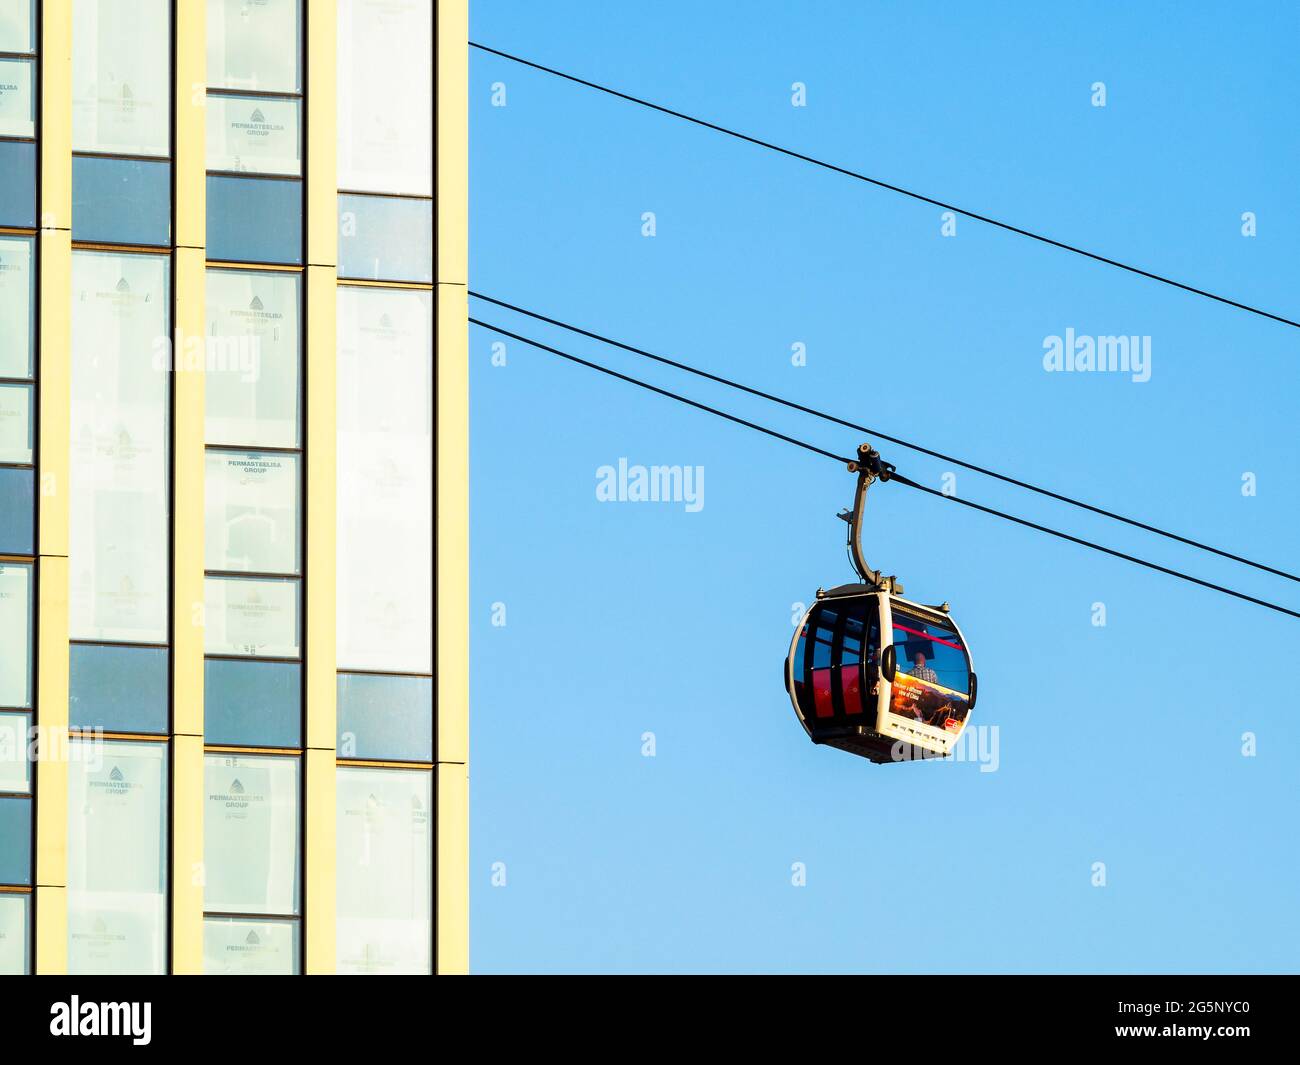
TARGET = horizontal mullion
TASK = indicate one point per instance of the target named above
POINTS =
(218, 657)
(270, 449)
(119, 643)
(252, 916)
(253, 175)
(255, 94)
(387, 195)
(125, 156)
(383, 673)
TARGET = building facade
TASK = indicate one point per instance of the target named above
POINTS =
(233, 256)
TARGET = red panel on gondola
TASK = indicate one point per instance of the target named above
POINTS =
(822, 702)
(851, 689)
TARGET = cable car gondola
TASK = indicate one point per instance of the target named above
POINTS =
(873, 673)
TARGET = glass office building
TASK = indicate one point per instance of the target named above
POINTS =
(232, 263)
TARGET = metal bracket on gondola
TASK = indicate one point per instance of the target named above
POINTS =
(869, 467)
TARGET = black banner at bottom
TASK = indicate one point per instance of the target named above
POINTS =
(992, 1013)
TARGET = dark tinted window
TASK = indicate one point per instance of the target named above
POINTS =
(15, 840)
(116, 688)
(17, 511)
(18, 184)
(252, 704)
(121, 201)
(254, 220)
(385, 717)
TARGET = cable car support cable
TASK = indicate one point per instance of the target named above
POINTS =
(888, 474)
(984, 470)
(857, 176)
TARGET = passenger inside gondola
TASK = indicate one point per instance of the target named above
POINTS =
(921, 671)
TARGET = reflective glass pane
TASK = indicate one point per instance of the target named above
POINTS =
(17, 25)
(15, 635)
(15, 934)
(17, 304)
(248, 703)
(250, 833)
(119, 689)
(254, 219)
(251, 511)
(236, 947)
(385, 864)
(254, 134)
(385, 717)
(121, 201)
(385, 238)
(249, 616)
(253, 356)
(17, 183)
(17, 428)
(119, 467)
(17, 511)
(385, 47)
(121, 74)
(930, 652)
(248, 45)
(117, 857)
(17, 98)
(385, 480)
(15, 765)
(15, 840)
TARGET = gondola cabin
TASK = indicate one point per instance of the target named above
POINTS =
(876, 675)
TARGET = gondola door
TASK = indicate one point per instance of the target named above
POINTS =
(838, 655)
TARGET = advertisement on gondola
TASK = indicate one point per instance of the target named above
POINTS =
(931, 704)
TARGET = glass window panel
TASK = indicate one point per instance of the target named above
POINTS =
(385, 717)
(117, 857)
(17, 25)
(17, 183)
(121, 74)
(253, 356)
(16, 425)
(119, 465)
(17, 100)
(250, 616)
(250, 833)
(385, 891)
(254, 134)
(17, 305)
(17, 511)
(385, 126)
(235, 947)
(385, 480)
(251, 511)
(15, 935)
(121, 201)
(119, 689)
(16, 635)
(385, 238)
(252, 704)
(15, 841)
(15, 766)
(248, 45)
(254, 220)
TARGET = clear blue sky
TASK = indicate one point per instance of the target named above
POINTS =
(1118, 744)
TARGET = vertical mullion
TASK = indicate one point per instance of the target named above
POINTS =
(451, 485)
(320, 460)
(53, 389)
(187, 519)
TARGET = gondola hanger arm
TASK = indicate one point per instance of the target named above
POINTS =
(869, 467)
